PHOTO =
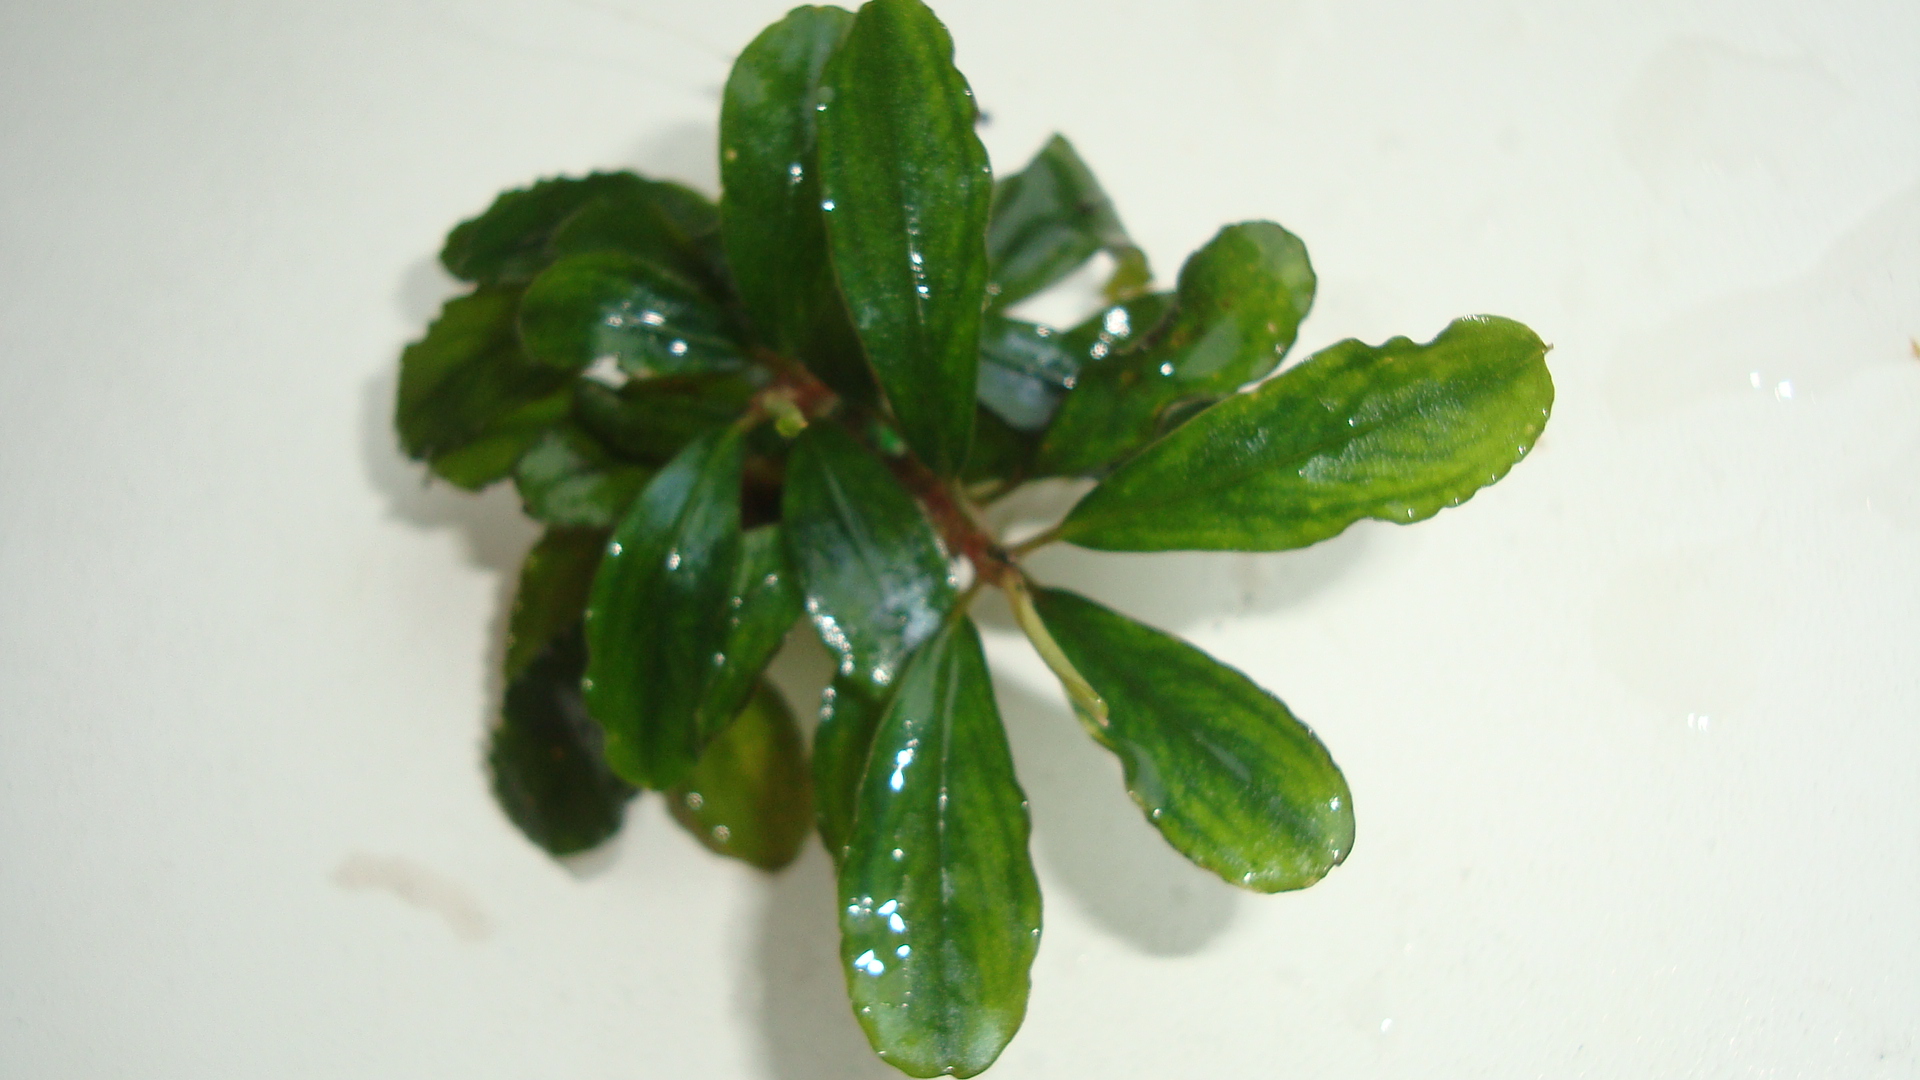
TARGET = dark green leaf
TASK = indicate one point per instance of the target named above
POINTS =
(650, 420)
(663, 223)
(656, 617)
(509, 242)
(907, 188)
(492, 454)
(1217, 764)
(850, 711)
(999, 451)
(470, 401)
(748, 796)
(1024, 371)
(648, 319)
(552, 595)
(876, 581)
(1048, 220)
(940, 910)
(545, 756)
(1396, 432)
(776, 237)
(762, 605)
(569, 479)
(1239, 306)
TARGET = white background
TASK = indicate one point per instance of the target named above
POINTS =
(1632, 736)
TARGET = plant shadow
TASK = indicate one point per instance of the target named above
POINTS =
(1092, 841)
(807, 1027)
(493, 532)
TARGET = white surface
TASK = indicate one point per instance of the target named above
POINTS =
(1632, 735)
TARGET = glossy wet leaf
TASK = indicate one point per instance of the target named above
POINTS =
(940, 910)
(1024, 371)
(609, 304)
(907, 189)
(1217, 764)
(876, 581)
(850, 711)
(776, 237)
(545, 761)
(651, 420)
(508, 242)
(551, 597)
(663, 223)
(470, 402)
(749, 796)
(762, 604)
(1395, 432)
(1114, 331)
(656, 614)
(1236, 312)
(569, 479)
(1048, 220)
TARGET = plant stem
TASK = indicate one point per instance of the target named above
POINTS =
(1087, 701)
(791, 400)
(1034, 542)
(959, 526)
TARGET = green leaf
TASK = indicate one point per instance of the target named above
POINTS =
(1237, 311)
(548, 774)
(1395, 432)
(940, 910)
(850, 712)
(1000, 452)
(663, 223)
(651, 420)
(1115, 331)
(748, 797)
(1217, 764)
(762, 604)
(470, 402)
(877, 583)
(656, 617)
(907, 188)
(508, 243)
(776, 237)
(648, 319)
(569, 479)
(1048, 220)
(552, 594)
(1025, 369)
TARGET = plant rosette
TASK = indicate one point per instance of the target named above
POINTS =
(796, 405)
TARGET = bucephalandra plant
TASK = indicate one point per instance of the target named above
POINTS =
(797, 404)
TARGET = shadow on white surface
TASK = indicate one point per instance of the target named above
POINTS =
(807, 1027)
(1091, 840)
(492, 530)
(1178, 590)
